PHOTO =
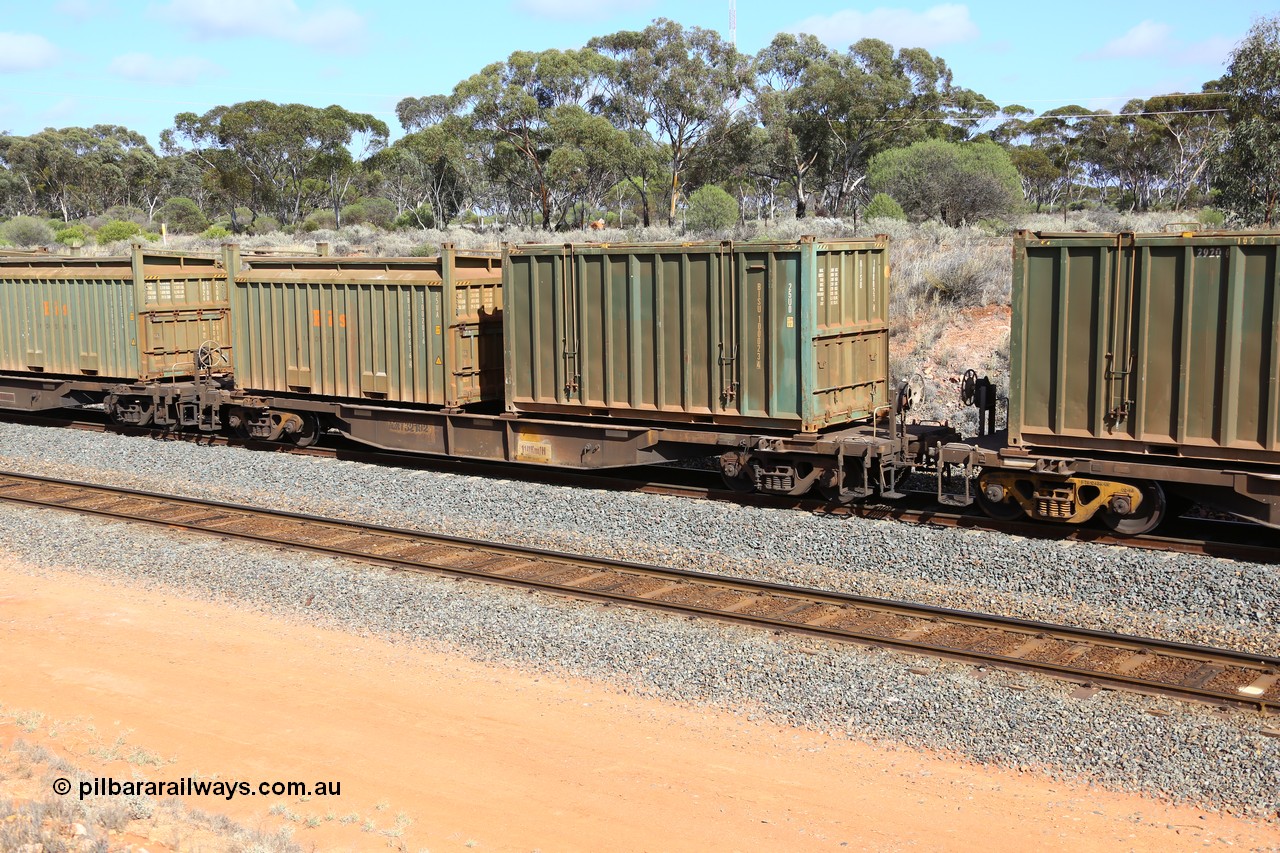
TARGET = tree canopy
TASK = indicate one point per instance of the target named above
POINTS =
(637, 121)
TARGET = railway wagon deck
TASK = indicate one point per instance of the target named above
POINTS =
(790, 336)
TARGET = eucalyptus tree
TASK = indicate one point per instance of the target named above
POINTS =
(798, 138)
(517, 109)
(678, 83)
(429, 166)
(877, 98)
(1247, 171)
(1057, 134)
(1192, 127)
(277, 157)
(78, 171)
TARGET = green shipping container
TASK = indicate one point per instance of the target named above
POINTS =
(1154, 344)
(789, 336)
(129, 318)
(406, 330)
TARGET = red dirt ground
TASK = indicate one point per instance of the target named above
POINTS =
(491, 758)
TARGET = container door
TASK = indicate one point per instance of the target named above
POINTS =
(570, 330)
(1118, 359)
(727, 332)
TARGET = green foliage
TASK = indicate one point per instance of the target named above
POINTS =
(883, 206)
(1211, 218)
(125, 213)
(1248, 165)
(118, 229)
(27, 231)
(824, 113)
(425, 250)
(679, 81)
(421, 216)
(216, 232)
(181, 215)
(72, 235)
(374, 211)
(712, 209)
(320, 220)
(265, 224)
(948, 181)
(77, 171)
(271, 156)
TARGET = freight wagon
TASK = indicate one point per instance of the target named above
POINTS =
(772, 357)
(401, 331)
(73, 328)
(1145, 373)
(790, 336)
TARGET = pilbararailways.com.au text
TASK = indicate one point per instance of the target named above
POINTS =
(188, 787)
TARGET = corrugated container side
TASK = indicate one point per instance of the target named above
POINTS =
(134, 318)
(789, 336)
(408, 330)
(1153, 344)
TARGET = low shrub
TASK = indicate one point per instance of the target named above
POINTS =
(181, 215)
(118, 229)
(72, 235)
(27, 231)
(712, 209)
(1211, 218)
(882, 206)
(320, 220)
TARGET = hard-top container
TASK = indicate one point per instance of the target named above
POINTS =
(406, 330)
(788, 336)
(138, 317)
(1153, 344)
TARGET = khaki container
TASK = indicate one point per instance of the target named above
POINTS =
(406, 330)
(130, 318)
(789, 336)
(1154, 344)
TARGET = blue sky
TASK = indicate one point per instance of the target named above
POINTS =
(84, 62)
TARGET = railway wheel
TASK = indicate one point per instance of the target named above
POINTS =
(237, 420)
(998, 504)
(309, 433)
(1150, 513)
(739, 482)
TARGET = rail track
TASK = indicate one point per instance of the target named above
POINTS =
(1091, 658)
(1228, 539)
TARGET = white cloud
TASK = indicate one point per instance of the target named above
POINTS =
(1146, 39)
(1215, 50)
(60, 111)
(146, 68)
(79, 10)
(577, 10)
(26, 52)
(937, 25)
(1155, 40)
(334, 26)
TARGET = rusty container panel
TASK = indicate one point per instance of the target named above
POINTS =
(789, 336)
(408, 330)
(1155, 344)
(130, 318)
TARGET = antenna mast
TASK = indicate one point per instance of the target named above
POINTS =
(733, 23)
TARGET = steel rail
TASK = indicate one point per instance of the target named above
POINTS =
(1091, 657)
(1224, 539)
